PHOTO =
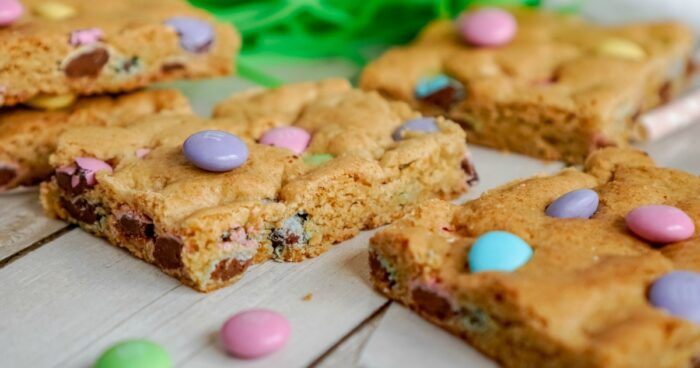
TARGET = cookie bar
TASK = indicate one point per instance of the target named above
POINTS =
(558, 90)
(142, 192)
(83, 48)
(28, 137)
(524, 275)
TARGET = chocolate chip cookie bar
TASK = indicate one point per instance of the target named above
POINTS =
(28, 137)
(597, 267)
(79, 47)
(559, 89)
(278, 174)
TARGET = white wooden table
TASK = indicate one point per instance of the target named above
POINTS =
(65, 295)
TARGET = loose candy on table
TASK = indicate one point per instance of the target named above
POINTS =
(487, 27)
(134, 354)
(621, 48)
(54, 10)
(678, 293)
(215, 150)
(196, 35)
(426, 125)
(10, 11)
(498, 251)
(292, 138)
(580, 203)
(255, 333)
(46, 102)
(660, 223)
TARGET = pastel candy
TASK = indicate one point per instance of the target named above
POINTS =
(10, 11)
(255, 333)
(660, 223)
(621, 48)
(85, 36)
(196, 35)
(498, 251)
(317, 159)
(292, 138)
(45, 102)
(580, 203)
(429, 85)
(134, 354)
(215, 150)
(678, 293)
(426, 125)
(54, 10)
(488, 27)
(89, 166)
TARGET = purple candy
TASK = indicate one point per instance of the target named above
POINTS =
(418, 124)
(195, 34)
(214, 150)
(678, 293)
(581, 203)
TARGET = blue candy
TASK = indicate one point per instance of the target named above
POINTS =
(418, 124)
(214, 150)
(498, 251)
(581, 203)
(428, 86)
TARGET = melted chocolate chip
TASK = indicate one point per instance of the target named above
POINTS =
(134, 227)
(88, 64)
(470, 170)
(168, 252)
(446, 97)
(64, 182)
(130, 64)
(7, 175)
(172, 67)
(432, 303)
(291, 233)
(378, 271)
(690, 69)
(228, 268)
(666, 92)
(695, 362)
(80, 210)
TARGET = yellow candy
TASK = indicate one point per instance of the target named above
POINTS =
(54, 10)
(44, 102)
(622, 48)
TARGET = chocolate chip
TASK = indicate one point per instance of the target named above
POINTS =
(432, 303)
(690, 69)
(132, 63)
(172, 67)
(379, 273)
(87, 64)
(695, 362)
(446, 97)
(291, 233)
(228, 268)
(666, 92)
(7, 175)
(168, 252)
(470, 171)
(64, 182)
(135, 227)
(80, 210)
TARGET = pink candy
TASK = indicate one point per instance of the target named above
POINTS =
(90, 166)
(142, 152)
(292, 138)
(85, 36)
(660, 224)
(254, 333)
(488, 27)
(10, 11)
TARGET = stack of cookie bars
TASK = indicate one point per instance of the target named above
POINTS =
(324, 160)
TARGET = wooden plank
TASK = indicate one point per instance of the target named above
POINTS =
(76, 295)
(22, 221)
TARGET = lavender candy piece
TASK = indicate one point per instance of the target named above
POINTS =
(581, 203)
(418, 124)
(195, 34)
(215, 150)
(678, 293)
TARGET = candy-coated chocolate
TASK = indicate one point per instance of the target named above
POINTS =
(678, 293)
(254, 333)
(85, 36)
(429, 85)
(45, 102)
(622, 48)
(196, 35)
(580, 203)
(488, 27)
(54, 10)
(142, 152)
(660, 223)
(134, 354)
(10, 11)
(317, 159)
(498, 251)
(426, 125)
(215, 150)
(292, 138)
(89, 166)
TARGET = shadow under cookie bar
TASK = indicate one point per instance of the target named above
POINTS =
(206, 228)
(551, 93)
(28, 137)
(581, 300)
(110, 48)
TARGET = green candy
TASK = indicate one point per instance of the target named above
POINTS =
(317, 159)
(134, 354)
